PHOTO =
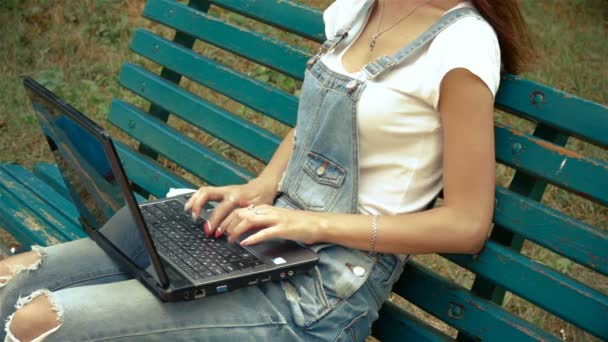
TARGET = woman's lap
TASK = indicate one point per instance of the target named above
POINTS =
(126, 310)
(98, 300)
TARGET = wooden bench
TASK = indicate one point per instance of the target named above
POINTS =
(260, 68)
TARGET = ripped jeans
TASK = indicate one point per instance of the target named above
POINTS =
(95, 299)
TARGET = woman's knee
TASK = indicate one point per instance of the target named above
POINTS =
(15, 264)
(36, 318)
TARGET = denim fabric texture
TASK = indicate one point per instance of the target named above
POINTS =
(338, 300)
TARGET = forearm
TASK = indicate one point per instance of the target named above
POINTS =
(443, 230)
(272, 173)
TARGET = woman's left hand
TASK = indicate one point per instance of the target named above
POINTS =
(270, 222)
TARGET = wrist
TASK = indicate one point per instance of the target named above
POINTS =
(264, 186)
(261, 181)
(320, 228)
(268, 179)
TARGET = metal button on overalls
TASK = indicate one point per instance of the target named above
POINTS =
(359, 271)
(351, 86)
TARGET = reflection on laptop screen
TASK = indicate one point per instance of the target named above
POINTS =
(89, 178)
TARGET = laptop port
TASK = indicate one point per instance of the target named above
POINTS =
(265, 279)
(199, 293)
(222, 289)
(253, 282)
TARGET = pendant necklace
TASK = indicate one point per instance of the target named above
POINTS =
(372, 43)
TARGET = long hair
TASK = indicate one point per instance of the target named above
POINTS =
(516, 48)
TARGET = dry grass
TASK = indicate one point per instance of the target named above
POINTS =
(76, 48)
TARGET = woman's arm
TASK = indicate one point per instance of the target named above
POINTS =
(460, 225)
(273, 172)
(260, 190)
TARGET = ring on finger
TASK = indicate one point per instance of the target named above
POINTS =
(254, 209)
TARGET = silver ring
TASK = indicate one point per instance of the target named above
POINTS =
(254, 209)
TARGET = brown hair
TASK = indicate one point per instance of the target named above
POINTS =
(516, 50)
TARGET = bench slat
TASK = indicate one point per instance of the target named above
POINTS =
(291, 16)
(258, 95)
(254, 46)
(25, 224)
(565, 168)
(396, 324)
(551, 229)
(184, 151)
(49, 207)
(584, 119)
(459, 308)
(50, 175)
(34, 185)
(559, 294)
(147, 173)
(14, 225)
(236, 131)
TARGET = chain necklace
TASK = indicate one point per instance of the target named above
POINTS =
(377, 35)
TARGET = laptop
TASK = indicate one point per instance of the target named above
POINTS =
(176, 261)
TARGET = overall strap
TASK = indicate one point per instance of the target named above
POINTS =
(341, 34)
(383, 64)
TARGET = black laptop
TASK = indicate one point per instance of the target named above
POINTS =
(176, 261)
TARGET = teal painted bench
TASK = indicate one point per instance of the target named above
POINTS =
(263, 71)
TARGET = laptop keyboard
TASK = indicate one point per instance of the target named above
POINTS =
(184, 243)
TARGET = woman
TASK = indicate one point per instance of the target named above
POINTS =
(376, 140)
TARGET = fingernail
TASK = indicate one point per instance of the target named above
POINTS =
(218, 232)
(245, 242)
(206, 228)
(187, 206)
(193, 217)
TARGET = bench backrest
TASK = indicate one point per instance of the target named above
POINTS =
(245, 101)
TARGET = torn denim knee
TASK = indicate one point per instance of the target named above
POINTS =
(16, 269)
(22, 301)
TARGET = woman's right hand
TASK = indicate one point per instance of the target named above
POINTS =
(257, 191)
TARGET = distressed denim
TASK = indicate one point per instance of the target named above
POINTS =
(97, 300)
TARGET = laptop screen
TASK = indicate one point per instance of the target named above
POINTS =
(90, 180)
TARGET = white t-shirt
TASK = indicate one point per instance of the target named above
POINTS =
(400, 135)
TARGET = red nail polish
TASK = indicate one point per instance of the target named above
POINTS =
(218, 233)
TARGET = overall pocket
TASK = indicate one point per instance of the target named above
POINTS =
(318, 184)
(338, 275)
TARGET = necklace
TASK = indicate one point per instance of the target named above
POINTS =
(377, 35)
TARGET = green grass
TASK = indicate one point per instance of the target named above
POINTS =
(76, 48)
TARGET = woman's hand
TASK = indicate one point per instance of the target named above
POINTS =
(256, 192)
(271, 222)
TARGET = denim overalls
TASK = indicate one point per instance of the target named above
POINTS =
(322, 175)
(337, 300)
